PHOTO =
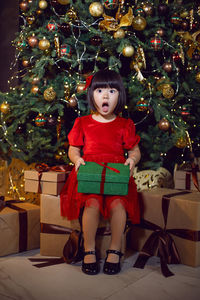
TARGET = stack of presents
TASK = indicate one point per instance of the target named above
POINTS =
(169, 228)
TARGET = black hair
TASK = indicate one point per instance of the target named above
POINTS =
(104, 79)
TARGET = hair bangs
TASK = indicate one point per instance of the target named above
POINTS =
(107, 79)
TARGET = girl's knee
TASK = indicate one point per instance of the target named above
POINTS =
(92, 203)
(117, 205)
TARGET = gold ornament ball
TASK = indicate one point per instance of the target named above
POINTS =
(42, 4)
(25, 63)
(64, 2)
(49, 94)
(34, 89)
(72, 14)
(80, 88)
(139, 23)
(198, 77)
(5, 108)
(39, 11)
(119, 34)
(44, 44)
(23, 5)
(181, 142)
(128, 51)
(167, 91)
(30, 20)
(73, 101)
(164, 124)
(96, 9)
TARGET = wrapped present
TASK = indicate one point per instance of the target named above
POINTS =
(50, 182)
(19, 226)
(170, 227)
(186, 177)
(56, 230)
(103, 178)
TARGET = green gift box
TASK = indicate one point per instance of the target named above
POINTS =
(103, 178)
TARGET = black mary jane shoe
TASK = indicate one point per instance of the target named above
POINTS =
(90, 268)
(112, 268)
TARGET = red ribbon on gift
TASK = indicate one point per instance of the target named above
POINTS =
(23, 220)
(103, 175)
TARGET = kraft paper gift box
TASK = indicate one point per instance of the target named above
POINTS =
(182, 221)
(55, 229)
(50, 183)
(100, 178)
(183, 178)
(19, 227)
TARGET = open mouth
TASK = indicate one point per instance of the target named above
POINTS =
(105, 106)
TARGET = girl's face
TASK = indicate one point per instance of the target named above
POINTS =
(105, 100)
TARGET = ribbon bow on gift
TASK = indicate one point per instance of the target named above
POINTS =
(160, 241)
(42, 167)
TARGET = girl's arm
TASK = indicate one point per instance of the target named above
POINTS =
(134, 156)
(74, 154)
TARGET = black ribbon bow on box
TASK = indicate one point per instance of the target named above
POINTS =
(160, 242)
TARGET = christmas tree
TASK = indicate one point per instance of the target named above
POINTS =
(154, 45)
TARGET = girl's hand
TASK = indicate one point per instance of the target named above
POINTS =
(79, 161)
(131, 164)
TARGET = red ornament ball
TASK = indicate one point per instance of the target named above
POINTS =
(142, 105)
(65, 50)
(52, 26)
(40, 120)
(176, 19)
(156, 43)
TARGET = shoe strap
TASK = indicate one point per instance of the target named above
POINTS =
(114, 252)
(90, 252)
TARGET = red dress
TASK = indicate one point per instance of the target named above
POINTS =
(100, 142)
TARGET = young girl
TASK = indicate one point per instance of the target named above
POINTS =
(102, 137)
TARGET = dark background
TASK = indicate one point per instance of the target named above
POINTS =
(9, 25)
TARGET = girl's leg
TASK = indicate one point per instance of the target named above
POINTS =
(90, 221)
(117, 223)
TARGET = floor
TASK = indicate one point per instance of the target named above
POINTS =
(20, 280)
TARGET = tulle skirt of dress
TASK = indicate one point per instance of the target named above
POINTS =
(72, 201)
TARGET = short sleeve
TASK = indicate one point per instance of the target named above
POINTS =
(130, 138)
(75, 137)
